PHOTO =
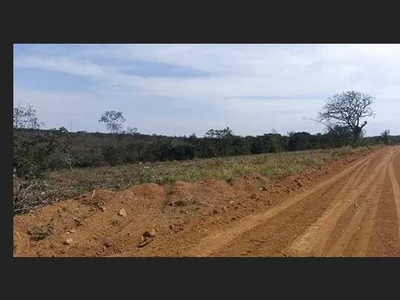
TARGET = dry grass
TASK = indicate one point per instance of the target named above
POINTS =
(64, 184)
(121, 177)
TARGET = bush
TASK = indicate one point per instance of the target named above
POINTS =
(113, 154)
(33, 157)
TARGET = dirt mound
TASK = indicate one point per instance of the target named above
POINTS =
(148, 191)
(154, 220)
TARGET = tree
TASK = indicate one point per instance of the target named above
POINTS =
(113, 120)
(113, 154)
(31, 157)
(274, 142)
(347, 109)
(299, 141)
(132, 130)
(217, 142)
(25, 117)
(257, 145)
(339, 136)
(385, 137)
(24, 164)
(219, 134)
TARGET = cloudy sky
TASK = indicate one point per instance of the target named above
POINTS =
(179, 89)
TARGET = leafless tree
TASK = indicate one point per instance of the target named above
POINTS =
(69, 160)
(347, 109)
(25, 117)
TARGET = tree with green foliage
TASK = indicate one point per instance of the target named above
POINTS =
(114, 121)
(299, 141)
(114, 154)
(31, 158)
(219, 133)
(217, 142)
(339, 136)
(257, 145)
(274, 142)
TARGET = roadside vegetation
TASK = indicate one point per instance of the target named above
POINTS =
(63, 184)
(52, 165)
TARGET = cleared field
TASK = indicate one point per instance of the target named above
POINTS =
(65, 184)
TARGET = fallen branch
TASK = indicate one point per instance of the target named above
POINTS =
(32, 185)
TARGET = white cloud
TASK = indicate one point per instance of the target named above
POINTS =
(61, 65)
(283, 83)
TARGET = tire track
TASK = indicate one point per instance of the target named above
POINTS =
(313, 242)
(282, 229)
(395, 186)
(338, 246)
(384, 236)
(221, 239)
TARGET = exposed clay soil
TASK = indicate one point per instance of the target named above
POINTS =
(350, 207)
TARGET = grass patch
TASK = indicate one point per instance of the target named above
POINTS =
(38, 233)
(115, 222)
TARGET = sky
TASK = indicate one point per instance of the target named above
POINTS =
(180, 89)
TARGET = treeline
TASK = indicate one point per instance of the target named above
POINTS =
(36, 151)
(55, 149)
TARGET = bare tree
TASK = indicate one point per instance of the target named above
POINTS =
(347, 109)
(113, 120)
(25, 117)
(69, 160)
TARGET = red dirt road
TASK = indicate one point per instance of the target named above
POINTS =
(355, 213)
(348, 208)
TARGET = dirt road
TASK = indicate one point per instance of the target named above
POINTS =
(346, 209)
(354, 213)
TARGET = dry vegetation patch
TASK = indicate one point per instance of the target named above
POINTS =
(64, 184)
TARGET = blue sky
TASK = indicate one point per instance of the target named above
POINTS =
(180, 89)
